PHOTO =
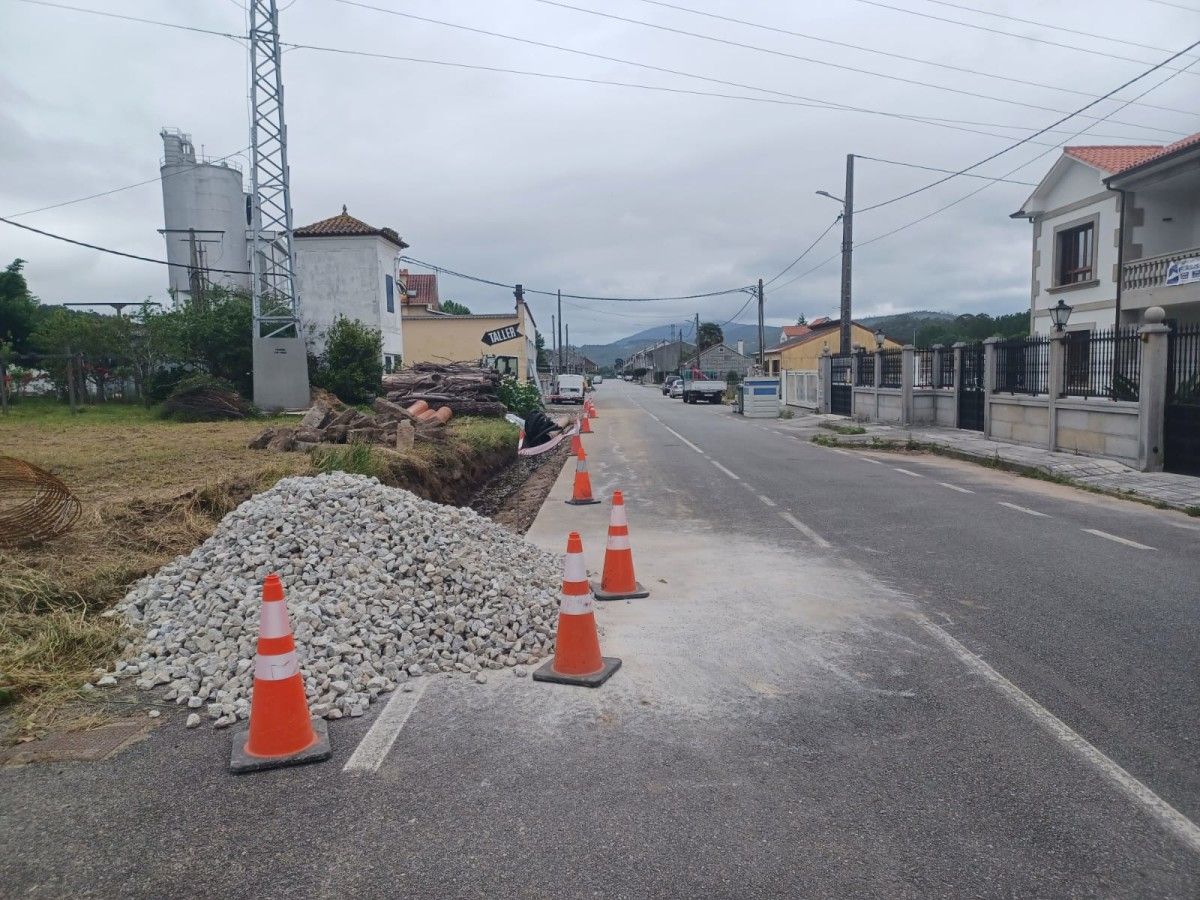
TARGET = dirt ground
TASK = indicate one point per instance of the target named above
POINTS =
(514, 497)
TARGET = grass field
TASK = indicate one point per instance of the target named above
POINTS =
(150, 490)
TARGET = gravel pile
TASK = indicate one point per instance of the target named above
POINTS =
(381, 587)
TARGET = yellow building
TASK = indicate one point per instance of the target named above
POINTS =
(504, 341)
(802, 352)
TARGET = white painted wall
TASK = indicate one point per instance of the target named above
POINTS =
(347, 276)
(1157, 236)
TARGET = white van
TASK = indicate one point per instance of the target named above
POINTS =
(568, 389)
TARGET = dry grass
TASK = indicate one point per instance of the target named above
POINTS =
(151, 490)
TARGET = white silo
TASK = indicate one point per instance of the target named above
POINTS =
(204, 216)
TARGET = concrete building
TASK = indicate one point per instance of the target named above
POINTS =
(346, 267)
(204, 218)
(661, 359)
(1116, 229)
(802, 353)
(719, 360)
(432, 336)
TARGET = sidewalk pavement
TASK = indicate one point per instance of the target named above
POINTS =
(1106, 475)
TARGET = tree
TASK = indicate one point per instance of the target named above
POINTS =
(710, 335)
(543, 357)
(801, 319)
(352, 364)
(451, 308)
(18, 308)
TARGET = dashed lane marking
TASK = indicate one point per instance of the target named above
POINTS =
(766, 500)
(1120, 540)
(804, 530)
(1169, 818)
(377, 742)
(1024, 509)
(725, 470)
(955, 487)
(874, 462)
(908, 472)
(681, 437)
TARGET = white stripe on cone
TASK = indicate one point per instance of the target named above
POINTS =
(618, 515)
(273, 620)
(275, 667)
(618, 542)
(576, 604)
(574, 568)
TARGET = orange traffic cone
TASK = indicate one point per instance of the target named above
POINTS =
(281, 732)
(581, 492)
(577, 658)
(584, 427)
(618, 581)
(576, 444)
(591, 410)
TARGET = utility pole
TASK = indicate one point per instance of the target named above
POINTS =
(847, 251)
(554, 336)
(568, 363)
(560, 325)
(697, 340)
(761, 334)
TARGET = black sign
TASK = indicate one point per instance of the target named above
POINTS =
(500, 335)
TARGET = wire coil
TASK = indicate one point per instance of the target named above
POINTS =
(34, 505)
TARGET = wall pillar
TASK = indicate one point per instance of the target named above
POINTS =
(825, 368)
(1152, 392)
(1055, 385)
(908, 380)
(989, 381)
(936, 374)
(956, 378)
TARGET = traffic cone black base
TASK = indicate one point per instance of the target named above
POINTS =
(241, 762)
(636, 594)
(581, 502)
(547, 673)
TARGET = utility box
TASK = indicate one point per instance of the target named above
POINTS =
(758, 398)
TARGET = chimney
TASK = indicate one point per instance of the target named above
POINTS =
(742, 347)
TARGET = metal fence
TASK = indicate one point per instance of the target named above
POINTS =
(946, 373)
(864, 370)
(1023, 365)
(1183, 366)
(923, 374)
(890, 364)
(1102, 364)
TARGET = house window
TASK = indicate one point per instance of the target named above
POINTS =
(390, 286)
(1076, 254)
(389, 363)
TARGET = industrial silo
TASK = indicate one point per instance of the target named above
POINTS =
(204, 216)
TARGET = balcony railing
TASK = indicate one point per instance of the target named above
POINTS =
(1152, 271)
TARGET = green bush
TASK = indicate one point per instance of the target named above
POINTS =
(521, 399)
(352, 364)
(357, 459)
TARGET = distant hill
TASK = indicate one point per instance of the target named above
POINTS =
(607, 354)
(902, 326)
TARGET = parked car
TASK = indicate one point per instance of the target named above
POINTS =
(667, 383)
(696, 386)
(599, 379)
(676, 389)
(568, 389)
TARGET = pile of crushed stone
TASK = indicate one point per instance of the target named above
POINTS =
(381, 587)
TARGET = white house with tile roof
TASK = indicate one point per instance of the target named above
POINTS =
(1116, 229)
(346, 267)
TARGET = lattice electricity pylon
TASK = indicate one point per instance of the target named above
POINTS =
(272, 259)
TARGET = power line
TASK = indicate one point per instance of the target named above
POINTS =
(30, 212)
(97, 247)
(812, 103)
(159, 22)
(896, 162)
(807, 250)
(1037, 24)
(1176, 5)
(821, 62)
(1024, 37)
(887, 53)
(1025, 140)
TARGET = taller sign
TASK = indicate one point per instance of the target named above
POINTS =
(500, 335)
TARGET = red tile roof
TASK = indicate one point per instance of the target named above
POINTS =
(794, 331)
(1180, 144)
(424, 285)
(818, 321)
(345, 225)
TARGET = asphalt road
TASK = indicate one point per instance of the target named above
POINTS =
(849, 680)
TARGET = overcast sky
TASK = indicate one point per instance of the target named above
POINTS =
(592, 188)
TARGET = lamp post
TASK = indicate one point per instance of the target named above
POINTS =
(1059, 314)
(847, 248)
(880, 337)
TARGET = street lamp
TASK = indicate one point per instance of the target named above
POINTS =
(880, 337)
(1059, 314)
(847, 251)
(831, 197)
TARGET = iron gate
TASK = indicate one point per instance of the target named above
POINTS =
(841, 401)
(1181, 423)
(970, 388)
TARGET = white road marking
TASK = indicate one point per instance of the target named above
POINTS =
(1173, 821)
(908, 472)
(836, 450)
(955, 487)
(1120, 540)
(766, 500)
(875, 462)
(804, 530)
(1024, 509)
(682, 438)
(377, 742)
(725, 470)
